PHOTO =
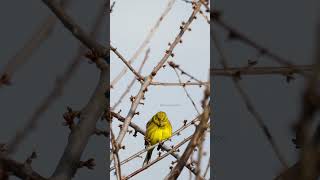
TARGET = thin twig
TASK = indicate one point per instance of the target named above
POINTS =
(144, 43)
(196, 138)
(201, 12)
(21, 170)
(115, 156)
(249, 105)
(176, 66)
(239, 71)
(207, 168)
(112, 6)
(200, 153)
(187, 1)
(179, 84)
(158, 159)
(97, 49)
(206, 5)
(237, 35)
(132, 82)
(138, 76)
(187, 93)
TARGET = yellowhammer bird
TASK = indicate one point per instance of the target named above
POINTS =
(158, 129)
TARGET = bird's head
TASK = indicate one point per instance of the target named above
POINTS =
(161, 118)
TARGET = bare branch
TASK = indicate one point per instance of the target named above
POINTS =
(21, 170)
(77, 31)
(207, 168)
(234, 34)
(112, 6)
(187, 1)
(115, 156)
(179, 84)
(80, 135)
(175, 66)
(132, 82)
(249, 105)
(187, 93)
(200, 153)
(238, 71)
(138, 76)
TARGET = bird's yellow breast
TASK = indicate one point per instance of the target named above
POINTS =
(156, 134)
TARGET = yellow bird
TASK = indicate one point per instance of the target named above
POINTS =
(158, 129)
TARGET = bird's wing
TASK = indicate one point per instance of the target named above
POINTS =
(148, 124)
(146, 141)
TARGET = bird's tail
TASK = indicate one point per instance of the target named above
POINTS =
(148, 157)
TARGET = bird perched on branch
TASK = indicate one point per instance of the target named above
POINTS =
(158, 129)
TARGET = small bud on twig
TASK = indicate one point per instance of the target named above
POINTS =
(135, 134)
(31, 157)
(185, 122)
(5, 79)
(90, 164)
